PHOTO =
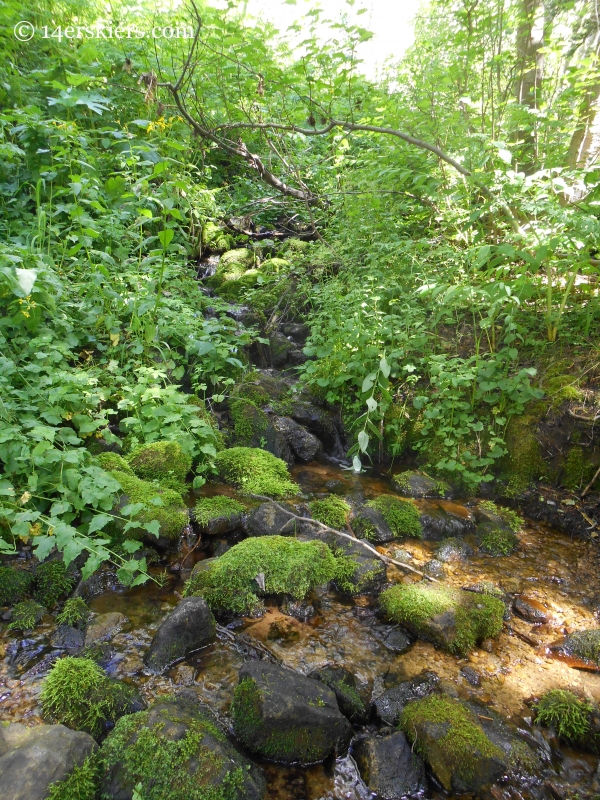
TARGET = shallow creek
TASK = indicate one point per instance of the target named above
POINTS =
(548, 567)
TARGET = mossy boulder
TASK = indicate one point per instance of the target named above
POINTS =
(496, 540)
(255, 471)
(172, 751)
(524, 463)
(370, 524)
(218, 515)
(26, 615)
(265, 565)
(571, 718)
(15, 584)
(580, 647)
(164, 462)
(166, 506)
(390, 705)
(347, 692)
(215, 239)
(253, 428)
(269, 520)
(240, 258)
(113, 461)
(453, 619)
(418, 484)
(287, 717)
(401, 516)
(301, 441)
(447, 734)
(235, 289)
(332, 511)
(186, 629)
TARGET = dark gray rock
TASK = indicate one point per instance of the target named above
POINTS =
(389, 767)
(444, 521)
(398, 641)
(471, 676)
(221, 526)
(417, 484)
(302, 442)
(103, 627)
(297, 332)
(453, 550)
(268, 520)
(287, 717)
(212, 761)
(279, 349)
(296, 357)
(435, 568)
(320, 422)
(32, 759)
(531, 610)
(581, 648)
(298, 609)
(390, 704)
(189, 627)
(347, 692)
(368, 523)
(65, 637)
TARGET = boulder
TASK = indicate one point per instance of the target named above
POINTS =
(103, 627)
(268, 520)
(579, 649)
(417, 484)
(253, 428)
(287, 717)
(32, 759)
(453, 550)
(303, 443)
(189, 627)
(320, 422)
(368, 523)
(398, 641)
(346, 689)
(390, 704)
(445, 520)
(389, 767)
(65, 637)
(173, 750)
(279, 349)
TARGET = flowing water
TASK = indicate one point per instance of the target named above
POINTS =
(560, 574)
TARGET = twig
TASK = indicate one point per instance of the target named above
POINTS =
(591, 483)
(361, 542)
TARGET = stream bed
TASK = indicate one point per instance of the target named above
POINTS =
(503, 674)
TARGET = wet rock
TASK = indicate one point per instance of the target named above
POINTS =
(531, 610)
(253, 428)
(398, 641)
(268, 520)
(105, 580)
(389, 767)
(65, 637)
(347, 692)
(302, 442)
(336, 487)
(287, 717)
(22, 652)
(579, 649)
(209, 760)
(418, 484)
(298, 332)
(471, 676)
(453, 550)
(184, 675)
(496, 539)
(189, 627)
(279, 349)
(298, 609)
(296, 357)
(222, 525)
(403, 555)
(320, 422)
(368, 523)
(391, 703)
(103, 627)
(435, 568)
(444, 521)
(32, 759)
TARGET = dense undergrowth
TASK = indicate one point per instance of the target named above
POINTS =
(441, 300)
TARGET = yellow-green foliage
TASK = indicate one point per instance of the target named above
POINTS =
(249, 422)
(113, 461)
(255, 471)
(164, 462)
(52, 581)
(26, 615)
(171, 514)
(401, 515)
(293, 245)
(77, 693)
(332, 511)
(463, 743)
(215, 239)
(209, 508)
(287, 566)
(235, 290)
(567, 714)
(561, 388)
(476, 616)
(75, 613)
(524, 463)
(272, 266)
(14, 585)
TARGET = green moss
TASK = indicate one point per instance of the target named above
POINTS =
(209, 508)
(249, 422)
(286, 565)
(52, 581)
(113, 461)
(77, 693)
(496, 541)
(294, 245)
(401, 515)
(332, 511)
(464, 742)
(75, 613)
(524, 463)
(184, 768)
(585, 645)
(81, 784)
(273, 266)
(14, 585)
(578, 469)
(164, 462)
(26, 615)
(170, 513)
(476, 617)
(215, 239)
(514, 521)
(252, 391)
(364, 529)
(567, 714)
(562, 388)
(255, 471)
(239, 259)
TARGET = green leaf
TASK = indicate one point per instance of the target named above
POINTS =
(165, 237)
(131, 546)
(363, 441)
(384, 367)
(98, 522)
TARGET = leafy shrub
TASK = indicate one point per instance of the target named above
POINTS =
(332, 511)
(52, 581)
(26, 615)
(401, 515)
(75, 613)
(255, 471)
(77, 693)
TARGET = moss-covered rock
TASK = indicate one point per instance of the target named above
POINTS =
(218, 515)
(14, 585)
(238, 259)
(252, 390)
(250, 424)
(26, 615)
(174, 752)
(524, 463)
(402, 516)
(570, 717)
(75, 613)
(496, 540)
(77, 693)
(294, 246)
(261, 566)
(447, 734)
(113, 461)
(52, 581)
(255, 471)
(583, 646)
(275, 266)
(235, 289)
(332, 511)
(418, 484)
(450, 618)
(370, 524)
(347, 692)
(166, 506)
(215, 238)
(487, 511)
(164, 462)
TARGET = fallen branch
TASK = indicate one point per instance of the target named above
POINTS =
(386, 559)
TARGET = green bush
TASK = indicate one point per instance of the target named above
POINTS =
(209, 508)
(332, 511)
(287, 566)
(77, 693)
(52, 581)
(567, 714)
(255, 471)
(14, 585)
(75, 613)
(26, 615)
(401, 515)
(164, 462)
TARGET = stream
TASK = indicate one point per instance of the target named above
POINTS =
(503, 674)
